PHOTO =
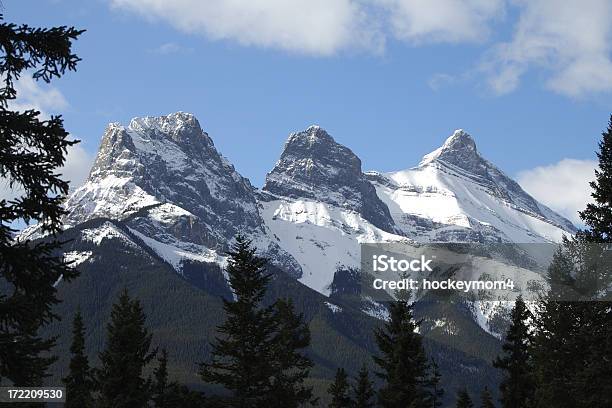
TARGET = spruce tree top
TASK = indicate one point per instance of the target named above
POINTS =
(464, 400)
(598, 215)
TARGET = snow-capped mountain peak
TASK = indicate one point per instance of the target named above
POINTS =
(457, 148)
(165, 179)
(167, 160)
(466, 197)
(315, 167)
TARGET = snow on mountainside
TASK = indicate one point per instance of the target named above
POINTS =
(320, 206)
(309, 203)
(456, 195)
(165, 179)
(313, 166)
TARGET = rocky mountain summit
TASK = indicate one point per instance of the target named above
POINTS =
(454, 194)
(314, 166)
(167, 160)
(166, 180)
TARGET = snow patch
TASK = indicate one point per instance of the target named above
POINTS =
(175, 255)
(333, 308)
(75, 258)
(105, 231)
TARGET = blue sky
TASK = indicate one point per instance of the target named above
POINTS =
(391, 79)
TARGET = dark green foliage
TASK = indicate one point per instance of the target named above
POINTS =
(165, 394)
(517, 386)
(257, 355)
(79, 382)
(464, 400)
(31, 151)
(402, 362)
(573, 344)
(486, 400)
(573, 341)
(241, 355)
(555, 352)
(594, 378)
(435, 392)
(159, 388)
(126, 353)
(180, 396)
(339, 391)
(598, 215)
(364, 389)
(291, 367)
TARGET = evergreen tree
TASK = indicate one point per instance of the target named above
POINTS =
(290, 366)
(402, 361)
(573, 341)
(180, 396)
(364, 389)
(464, 400)
(79, 383)
(593, 380)
(339, 391)
(554, 347)
(517, 385)
(126, 353)
(486, 400)
(598, 215)
(160, 383)
(259, 354)
(31, 151)
(167, 394)
(435, 392)
(242, 357)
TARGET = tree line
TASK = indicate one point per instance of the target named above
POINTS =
(258, 356)
(558, 353)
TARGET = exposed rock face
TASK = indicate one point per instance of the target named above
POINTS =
(314, 166)
(168, 159)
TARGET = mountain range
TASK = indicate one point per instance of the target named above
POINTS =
(161, 206)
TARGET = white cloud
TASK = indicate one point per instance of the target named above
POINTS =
(570, 39)
(77, 167)
(37, 95)
(563, 186)
(315, 27)
(425, 21)
(76, 170)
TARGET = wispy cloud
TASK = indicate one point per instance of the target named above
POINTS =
(570, 40)
(37, 95)
(76, 170)
(563, 186)
(439, 81)
(48, 100)
(171, 48)
(434, 21)
(315, 27)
